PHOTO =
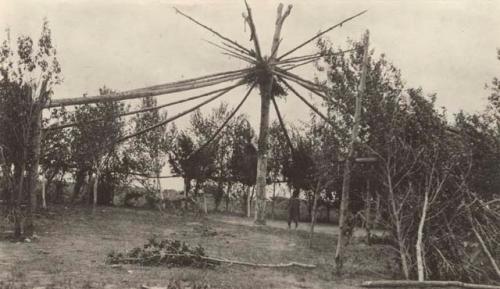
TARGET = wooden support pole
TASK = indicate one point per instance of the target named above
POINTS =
(147, 109)
(266, 92)
(143, 92)
(170, 119)
(344, 205)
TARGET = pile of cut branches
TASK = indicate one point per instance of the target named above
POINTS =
(155, 252)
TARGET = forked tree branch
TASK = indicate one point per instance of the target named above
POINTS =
(253, 31)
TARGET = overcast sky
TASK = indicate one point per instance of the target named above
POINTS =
(446, 47)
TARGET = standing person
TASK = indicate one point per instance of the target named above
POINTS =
(294, 209)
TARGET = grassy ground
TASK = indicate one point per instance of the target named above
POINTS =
(73, 243)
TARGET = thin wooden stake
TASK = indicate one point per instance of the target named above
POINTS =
(344, 205)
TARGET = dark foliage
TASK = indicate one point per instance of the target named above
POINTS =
(171, 253)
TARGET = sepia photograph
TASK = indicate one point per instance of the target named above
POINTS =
(196, 144)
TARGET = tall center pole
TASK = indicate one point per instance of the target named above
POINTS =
(266, 93)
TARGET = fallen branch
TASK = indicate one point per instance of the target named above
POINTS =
(424, 284)
(221, 260)
(484, 247)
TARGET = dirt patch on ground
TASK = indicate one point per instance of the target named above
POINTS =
(72, 249)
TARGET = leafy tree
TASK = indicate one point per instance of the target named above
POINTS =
(185, 162)
(28, 76)
(150, 150)
(93, 146)
(56, 159)
(243, 162)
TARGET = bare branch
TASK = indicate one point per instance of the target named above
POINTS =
(253, 36)
(306, 102)
(283, 127)
(320, 34)
(213, 31)
(234, 52)
(299, 82)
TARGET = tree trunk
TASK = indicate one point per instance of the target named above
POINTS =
(44, 188)
(399, 232)
(34, 145)
(313, 217)
(377, 209)
(368, 217)
(20, 196)
(228, 194)
(328, 212)
(273, 200)
(344, 205)
(59, 192)
(420, 236)
(205, 207)
(96, 182)
(79, 181)
(160, 192)
(218, 194)
(249, 200)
